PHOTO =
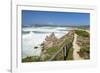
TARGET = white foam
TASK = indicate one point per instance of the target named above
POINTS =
(33, 39)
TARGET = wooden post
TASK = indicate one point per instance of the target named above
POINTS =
(65, 52)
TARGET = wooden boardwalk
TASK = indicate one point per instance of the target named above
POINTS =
(64, 46)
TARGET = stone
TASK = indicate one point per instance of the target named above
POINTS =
(50, 41)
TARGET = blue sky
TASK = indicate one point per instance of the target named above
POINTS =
(55, 18)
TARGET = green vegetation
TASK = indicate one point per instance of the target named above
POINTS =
(31, 59)
(47, 57)
(85, 49)
(70, 54)
(60, 57)
(66, 40)
(84, 42)
(82, 33)
(50, 52)
(85, 52)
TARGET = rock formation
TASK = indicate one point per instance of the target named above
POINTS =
(50, 41)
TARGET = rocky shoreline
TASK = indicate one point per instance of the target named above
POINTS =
(52, 44)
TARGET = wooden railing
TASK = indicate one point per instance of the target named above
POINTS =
(64, 47)
(65, 50)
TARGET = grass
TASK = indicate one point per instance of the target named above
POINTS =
(82, 33)
(47, 57)
(85, 52)
(31, 59)
(70, 54)
(85, 49)
(51, 51)
(84, 40)
(59, 57)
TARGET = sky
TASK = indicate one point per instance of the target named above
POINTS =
(54, 18)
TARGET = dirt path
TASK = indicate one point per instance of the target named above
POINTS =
(76, 49)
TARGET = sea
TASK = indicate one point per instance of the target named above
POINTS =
(33, 37)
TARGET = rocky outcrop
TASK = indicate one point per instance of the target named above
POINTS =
(52, 44)
(50, 41)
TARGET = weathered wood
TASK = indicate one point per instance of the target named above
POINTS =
(64, 46)
(65, 51)
(53, 57)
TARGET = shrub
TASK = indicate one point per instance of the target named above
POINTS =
(31, 59)
(70, 54)
(82, 33)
